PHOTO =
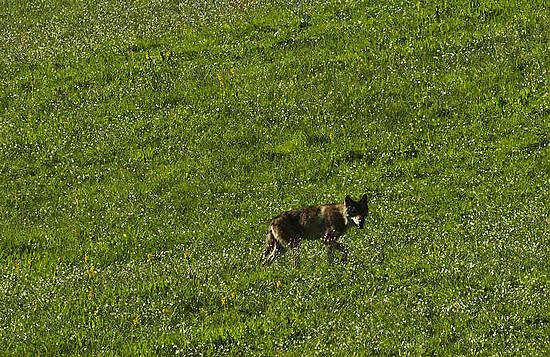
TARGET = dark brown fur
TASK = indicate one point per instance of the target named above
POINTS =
(325, 222)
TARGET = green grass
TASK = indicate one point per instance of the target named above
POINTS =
(144, 147)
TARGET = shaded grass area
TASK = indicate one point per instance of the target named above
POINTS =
(145, 149)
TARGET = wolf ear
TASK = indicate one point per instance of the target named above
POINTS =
(363, 199)
(348, 201)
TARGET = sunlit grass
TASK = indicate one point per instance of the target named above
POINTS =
(146, 145)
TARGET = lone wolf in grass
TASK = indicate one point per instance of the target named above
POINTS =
(325, 222)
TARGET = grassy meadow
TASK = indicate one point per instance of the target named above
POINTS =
(145, 146)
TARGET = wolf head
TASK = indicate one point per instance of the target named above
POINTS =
(356, 211)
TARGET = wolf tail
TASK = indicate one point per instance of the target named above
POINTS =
(269, 253)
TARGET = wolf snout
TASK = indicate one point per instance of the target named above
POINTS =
(358, 221)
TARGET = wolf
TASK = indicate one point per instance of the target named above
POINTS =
(326, 222)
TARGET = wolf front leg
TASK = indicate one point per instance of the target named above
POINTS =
(329, 239)
(342, 248)
(295, 248)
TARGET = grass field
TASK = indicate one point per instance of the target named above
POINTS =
(145, 146)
